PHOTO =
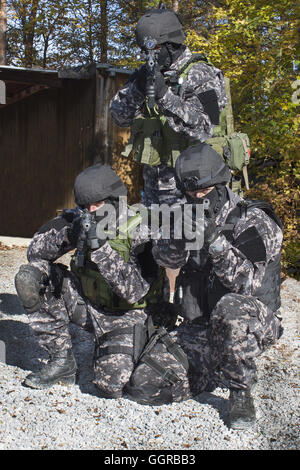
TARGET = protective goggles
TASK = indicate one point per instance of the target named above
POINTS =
(191, 183)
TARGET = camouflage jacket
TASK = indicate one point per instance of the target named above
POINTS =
(184, 111)
(237, 271)
(124, 278)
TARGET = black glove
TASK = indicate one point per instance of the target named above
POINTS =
(141, 75)
(170, 253)
(160, 84)
(92, 241)
(73, 231)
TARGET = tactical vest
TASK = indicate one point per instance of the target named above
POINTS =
(96, 288)
(152, 140)
(200, 291)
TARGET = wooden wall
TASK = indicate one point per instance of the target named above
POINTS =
(45, 141)
(50, 137)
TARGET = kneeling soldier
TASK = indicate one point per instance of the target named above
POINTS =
(104, 289)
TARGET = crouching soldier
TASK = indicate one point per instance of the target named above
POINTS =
(228, 292)
(104, 288)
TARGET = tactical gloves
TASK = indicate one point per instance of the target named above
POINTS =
(92, 241)
(159, 84)
(141, 79)
(170, 253)
(73, 231)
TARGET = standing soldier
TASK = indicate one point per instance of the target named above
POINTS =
(170, 102)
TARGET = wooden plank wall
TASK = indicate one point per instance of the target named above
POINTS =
(45, 141)
(50, 137)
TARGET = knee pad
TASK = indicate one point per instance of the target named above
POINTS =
(29, 282)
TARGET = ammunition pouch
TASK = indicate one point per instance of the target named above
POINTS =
(98, 291)
(153, 142)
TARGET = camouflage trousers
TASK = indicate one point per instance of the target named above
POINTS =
(160, 185)
(62, 303)
(194, 358)
(220, 354)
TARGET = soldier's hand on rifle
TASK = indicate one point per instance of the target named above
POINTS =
(159, 84)
(73, 231)
(141, 79)
(170, 253)
(92, 241)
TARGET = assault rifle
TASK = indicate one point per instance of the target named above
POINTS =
(151, 61)
(86, 221)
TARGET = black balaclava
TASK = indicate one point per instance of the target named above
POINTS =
(217, 198)
(168, 54)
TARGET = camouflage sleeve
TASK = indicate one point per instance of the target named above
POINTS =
(240, 273)
(49, 245)
(124, 278)
(126, 104)
(185, 112)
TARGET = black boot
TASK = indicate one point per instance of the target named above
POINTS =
(241, 410)
(60, 368)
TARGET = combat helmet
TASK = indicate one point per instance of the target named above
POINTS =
(162, 25)
(97, 183)
(199, 167)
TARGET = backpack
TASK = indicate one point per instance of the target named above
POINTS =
(234, 147)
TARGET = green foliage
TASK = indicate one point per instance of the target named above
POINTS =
(256, 43)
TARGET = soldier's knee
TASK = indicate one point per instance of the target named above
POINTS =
(229, 306)
(29, 282)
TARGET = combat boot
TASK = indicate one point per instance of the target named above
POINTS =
(241, 410)
(61, 368)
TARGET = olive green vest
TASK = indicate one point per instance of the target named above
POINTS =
(152, 140)
(96, 288)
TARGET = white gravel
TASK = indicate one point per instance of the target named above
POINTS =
(73, 417)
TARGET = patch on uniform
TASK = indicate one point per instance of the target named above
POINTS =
(251, 245)
(209, 101)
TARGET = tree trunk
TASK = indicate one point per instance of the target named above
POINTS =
(3, 22)
(175, 5)
(28, 35)
(104, 31)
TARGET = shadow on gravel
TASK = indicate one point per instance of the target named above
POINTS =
(11, 305)
(22, 349)
(219, 403)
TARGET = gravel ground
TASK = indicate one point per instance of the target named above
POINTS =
(74, 418)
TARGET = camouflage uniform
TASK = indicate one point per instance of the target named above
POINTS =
(235, 326)
(62, 301)
(184, 113)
